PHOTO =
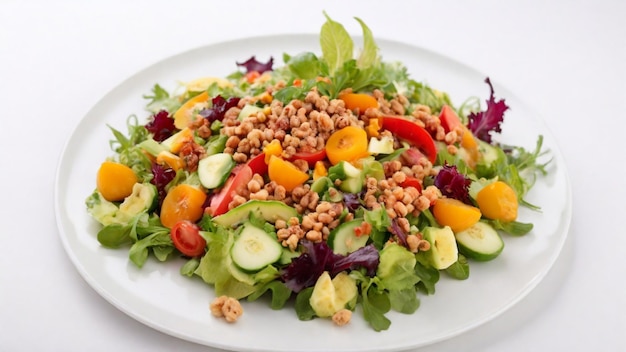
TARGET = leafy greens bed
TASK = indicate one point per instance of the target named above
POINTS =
(335, 180)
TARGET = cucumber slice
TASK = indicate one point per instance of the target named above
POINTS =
(270, 210)
(255, 249)
(215, 169)
(343, 240)
(480, 242)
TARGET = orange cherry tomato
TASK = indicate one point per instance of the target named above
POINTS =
(183, 202)
(456, 214)
(498, 201)
(115, 181)
(349, 144)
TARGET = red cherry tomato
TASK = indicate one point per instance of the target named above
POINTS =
(258, 164)
(310, 158)
(412, 182)
(186, 237)
(412, 133)
(449, 119)
(241, 176)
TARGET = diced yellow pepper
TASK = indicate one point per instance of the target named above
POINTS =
(373, 127)
(274, 148)
(173, 161)
(319, 170)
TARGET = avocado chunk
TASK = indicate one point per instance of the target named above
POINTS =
(270, 210)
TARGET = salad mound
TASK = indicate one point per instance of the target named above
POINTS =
(334, 180)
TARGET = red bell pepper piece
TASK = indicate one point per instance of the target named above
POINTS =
(412, 133)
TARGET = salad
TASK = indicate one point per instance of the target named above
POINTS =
(334, 181)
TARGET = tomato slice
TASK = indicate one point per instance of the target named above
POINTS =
(412, 133)
(241, 176)
(187, 239)
(258, 164)
(412, 182)
(311, 158)
(449, 119)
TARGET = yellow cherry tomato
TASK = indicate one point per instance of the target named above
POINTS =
(115, 181)
(359, 101)
(349, 144)
(498, 201)
(456, 214)
(183, 202)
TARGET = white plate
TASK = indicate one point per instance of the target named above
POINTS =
(160, 297)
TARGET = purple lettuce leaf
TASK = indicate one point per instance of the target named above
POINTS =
(316, 258)
(161, 126)
(483, 123)
(218, 108)
(252, 65)
(453, 184)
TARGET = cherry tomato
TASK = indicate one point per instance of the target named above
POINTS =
(412, 133)
(310, 158)
(186, 238)
(241, 176)
(412, 182)
(258, 164)
(449, 119)
(183, 202)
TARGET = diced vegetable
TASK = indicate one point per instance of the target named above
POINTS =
(254, 249)
(183, 116)
(186, 238)
(285, 173)
(115, 181)
(331, 295)
(456, 214)
(270, 210)
(349, 144)
(443, 250)
(498, 201)
(239, 178)
(183, 202)
(480, 242)
(215, 169)
(412, 133)
(344, 239)
(142, 199)
(359, 101)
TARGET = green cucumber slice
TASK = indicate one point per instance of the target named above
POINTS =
(480, 242)
(343, 239)
(215, 169)
(255, 249)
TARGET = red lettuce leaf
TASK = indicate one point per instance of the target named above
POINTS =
(253, 65)
(453, 184)
(483, 123)
(161, 126)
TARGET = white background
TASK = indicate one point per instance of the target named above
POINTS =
(567, 59)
